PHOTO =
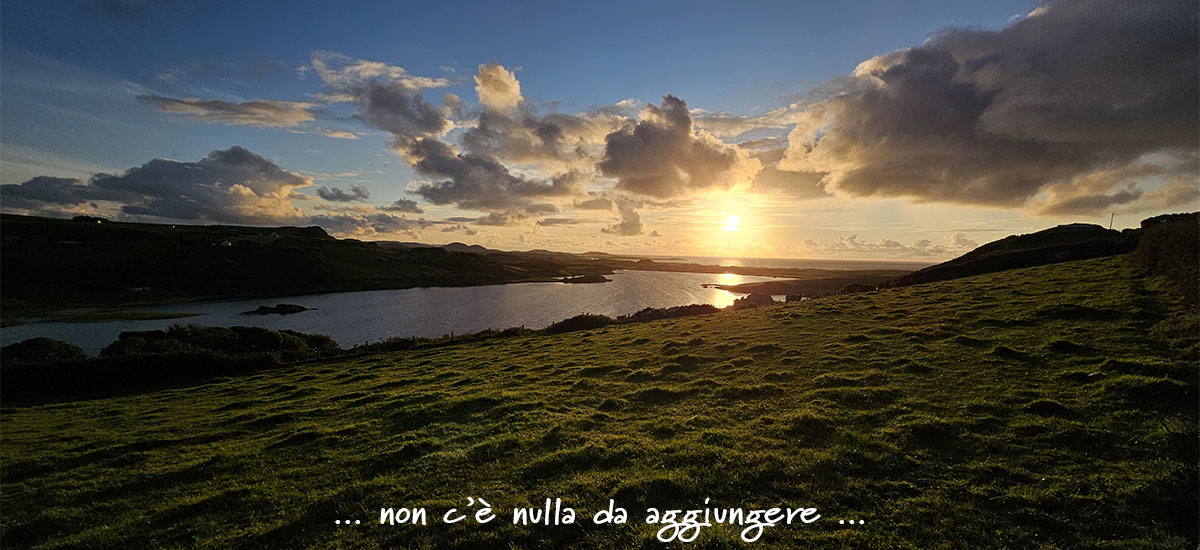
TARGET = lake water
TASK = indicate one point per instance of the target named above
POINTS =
(352, 318)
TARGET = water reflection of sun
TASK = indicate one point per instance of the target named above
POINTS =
(721, 298)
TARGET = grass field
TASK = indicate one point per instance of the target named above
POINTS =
(1036, 408)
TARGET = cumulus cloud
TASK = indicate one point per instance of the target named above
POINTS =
(510, 129)
(960, 240)
(403, 205)
(497, 87)
(370, 224)
(481, 182)
(662, 155)
(460, 228)
(357, 193)
(262, 113)
(387, 96)
(853, 246)
(227, 186)
(629, 224)
(1003, 117)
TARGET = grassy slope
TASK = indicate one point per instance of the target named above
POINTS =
(966, 413)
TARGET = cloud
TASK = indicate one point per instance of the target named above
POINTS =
(341, 71)
(597, 203)
(802, 185)
(227, 186)
(960, 240)
(461, 229)
(387, 97)
(727, 125)
(629, 224)
(357, 193)
(1117, 188)
(1002, 117)
(497, 87)
(262, 113)
(481, 182)
(560, 221)
(510, 129)
(370, 225)
(403, 205)
(48, 190)
(662, 155)
(338, 134)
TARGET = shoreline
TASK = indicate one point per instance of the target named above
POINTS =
(82, 313)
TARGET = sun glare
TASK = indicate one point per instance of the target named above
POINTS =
(731, 223)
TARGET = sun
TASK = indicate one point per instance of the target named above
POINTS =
(731, 223)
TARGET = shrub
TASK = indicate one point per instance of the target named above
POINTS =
(587, 321)
(40, 351)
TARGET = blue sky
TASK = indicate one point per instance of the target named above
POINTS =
(76, 75)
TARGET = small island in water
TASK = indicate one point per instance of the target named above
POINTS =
(586, 279)
(277, 309)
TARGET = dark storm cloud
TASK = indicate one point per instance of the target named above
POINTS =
(403, 205)
(357, 193)
(229, 186)
(661, 155)
(1005, 117)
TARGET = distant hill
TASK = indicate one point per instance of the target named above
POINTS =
(52, 264)
(55, 263)
(1075, 241)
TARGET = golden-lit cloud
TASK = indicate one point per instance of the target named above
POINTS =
(662, 155)
(497, 87)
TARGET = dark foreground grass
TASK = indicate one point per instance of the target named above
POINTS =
(1038, 408)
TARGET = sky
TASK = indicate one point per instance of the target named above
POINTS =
(855, 129)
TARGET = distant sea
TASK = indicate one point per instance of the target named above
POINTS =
(794, 262)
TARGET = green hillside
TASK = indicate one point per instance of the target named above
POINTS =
(1047, 407)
